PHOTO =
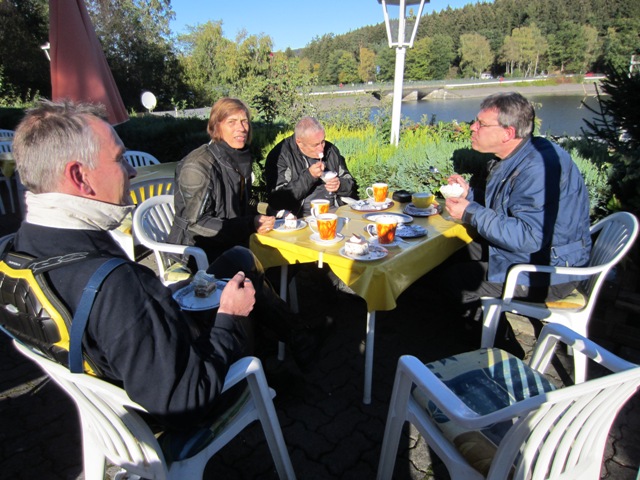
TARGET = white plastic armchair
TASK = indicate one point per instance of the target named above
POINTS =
(6, 147)
(615, 236)
(6, 134)
(551, 435)
(152, 221)
(113, 430)
(140, 159)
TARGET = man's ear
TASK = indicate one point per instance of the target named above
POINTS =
(509, 134)
(74, 173)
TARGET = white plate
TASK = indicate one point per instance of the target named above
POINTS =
(410, 231)
(402, 218)
(188, 300)
(422, 212)
(316, 239)
(369, 206)
(376, 243)
(375, 253)
(279, 226)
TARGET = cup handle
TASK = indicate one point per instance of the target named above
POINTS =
(314, 211)
(369, 228)
(369, 192)
(313, 225)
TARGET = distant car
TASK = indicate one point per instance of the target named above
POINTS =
(589, 74)
(486, 76)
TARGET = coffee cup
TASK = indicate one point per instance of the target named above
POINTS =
(318, 207)
(378, 192)
(422, 199)
(328, 225)
(384, 229)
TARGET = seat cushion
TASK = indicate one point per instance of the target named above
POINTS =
(574, 300)
(178, 446)
(486, 380)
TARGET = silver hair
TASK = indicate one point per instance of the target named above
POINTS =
(513, 111)
(307, 125)
(51, 135)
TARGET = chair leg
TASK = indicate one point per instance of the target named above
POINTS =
(491, 308)
(395, 420)
(269, 420)
(94, 460)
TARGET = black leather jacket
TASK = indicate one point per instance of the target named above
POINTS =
(212, 202)
(291, 186)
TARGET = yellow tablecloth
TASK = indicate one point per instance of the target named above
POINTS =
(379, 282)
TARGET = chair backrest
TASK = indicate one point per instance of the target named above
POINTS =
(140, 159)
(152, 221)
(110, 418)
(615, 236)
(6, 146)
(6, 133)
(141, 191)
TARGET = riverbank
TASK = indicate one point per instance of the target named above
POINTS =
(367, 100)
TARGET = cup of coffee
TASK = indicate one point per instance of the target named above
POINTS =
(328, 225)
(384, 229)
(318, 207)
(422, 199)
(378, 192)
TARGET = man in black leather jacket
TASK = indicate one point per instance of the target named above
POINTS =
(294, 170)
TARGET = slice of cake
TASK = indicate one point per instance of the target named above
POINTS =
(203, 284)
(356, 245)
(290, 221)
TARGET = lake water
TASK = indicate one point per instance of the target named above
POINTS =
(560, 114)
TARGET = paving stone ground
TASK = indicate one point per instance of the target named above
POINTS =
(330, 433)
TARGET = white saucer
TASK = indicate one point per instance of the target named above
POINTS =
(188, 301)
(375, 253)
(411, 209)
(410, 231)
(375, 242)
(316, 239)
(279, 226)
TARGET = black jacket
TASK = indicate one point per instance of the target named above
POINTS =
(137, 334)
(212, 202)
(291, 186)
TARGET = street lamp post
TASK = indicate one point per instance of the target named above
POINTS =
(400, 43)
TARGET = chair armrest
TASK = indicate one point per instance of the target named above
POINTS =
(516, 270)
(240, 369)
(553, 333)
(451, 405)
(201, 258)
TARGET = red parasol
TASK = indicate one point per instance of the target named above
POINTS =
(79, 69)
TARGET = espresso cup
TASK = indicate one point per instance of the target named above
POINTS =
(328, 225)
(422, 199)
(318, 207)
(378, 192)
(384, 229)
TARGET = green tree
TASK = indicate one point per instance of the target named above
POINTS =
(367, 65)
(621, 42)
(24, 27)
(347, 68)
(523, 49)
(417, 65)
(440, 56)
(475, 54)
(569, 48)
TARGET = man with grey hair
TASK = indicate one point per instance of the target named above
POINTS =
(295, 167)
(137, 336)
(535, 209)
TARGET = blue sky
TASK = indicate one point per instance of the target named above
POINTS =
(289, 23)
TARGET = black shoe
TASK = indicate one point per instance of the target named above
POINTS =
(305, 343)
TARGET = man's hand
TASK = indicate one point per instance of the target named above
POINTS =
(333, 185)
(264, 223)
(316, 169)
(456, 207)
(238, 297)
(455, 178)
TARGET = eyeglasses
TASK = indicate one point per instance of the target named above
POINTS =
(482, 125)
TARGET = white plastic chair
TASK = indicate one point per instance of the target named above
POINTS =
(140, 159)
(113, 430)
(616, 234)
(6, 147)
(6, 134)
(152, 221)
(558, 434)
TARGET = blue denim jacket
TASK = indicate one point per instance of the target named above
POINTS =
(536, 210)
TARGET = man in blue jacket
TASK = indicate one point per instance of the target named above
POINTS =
(535, 209)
